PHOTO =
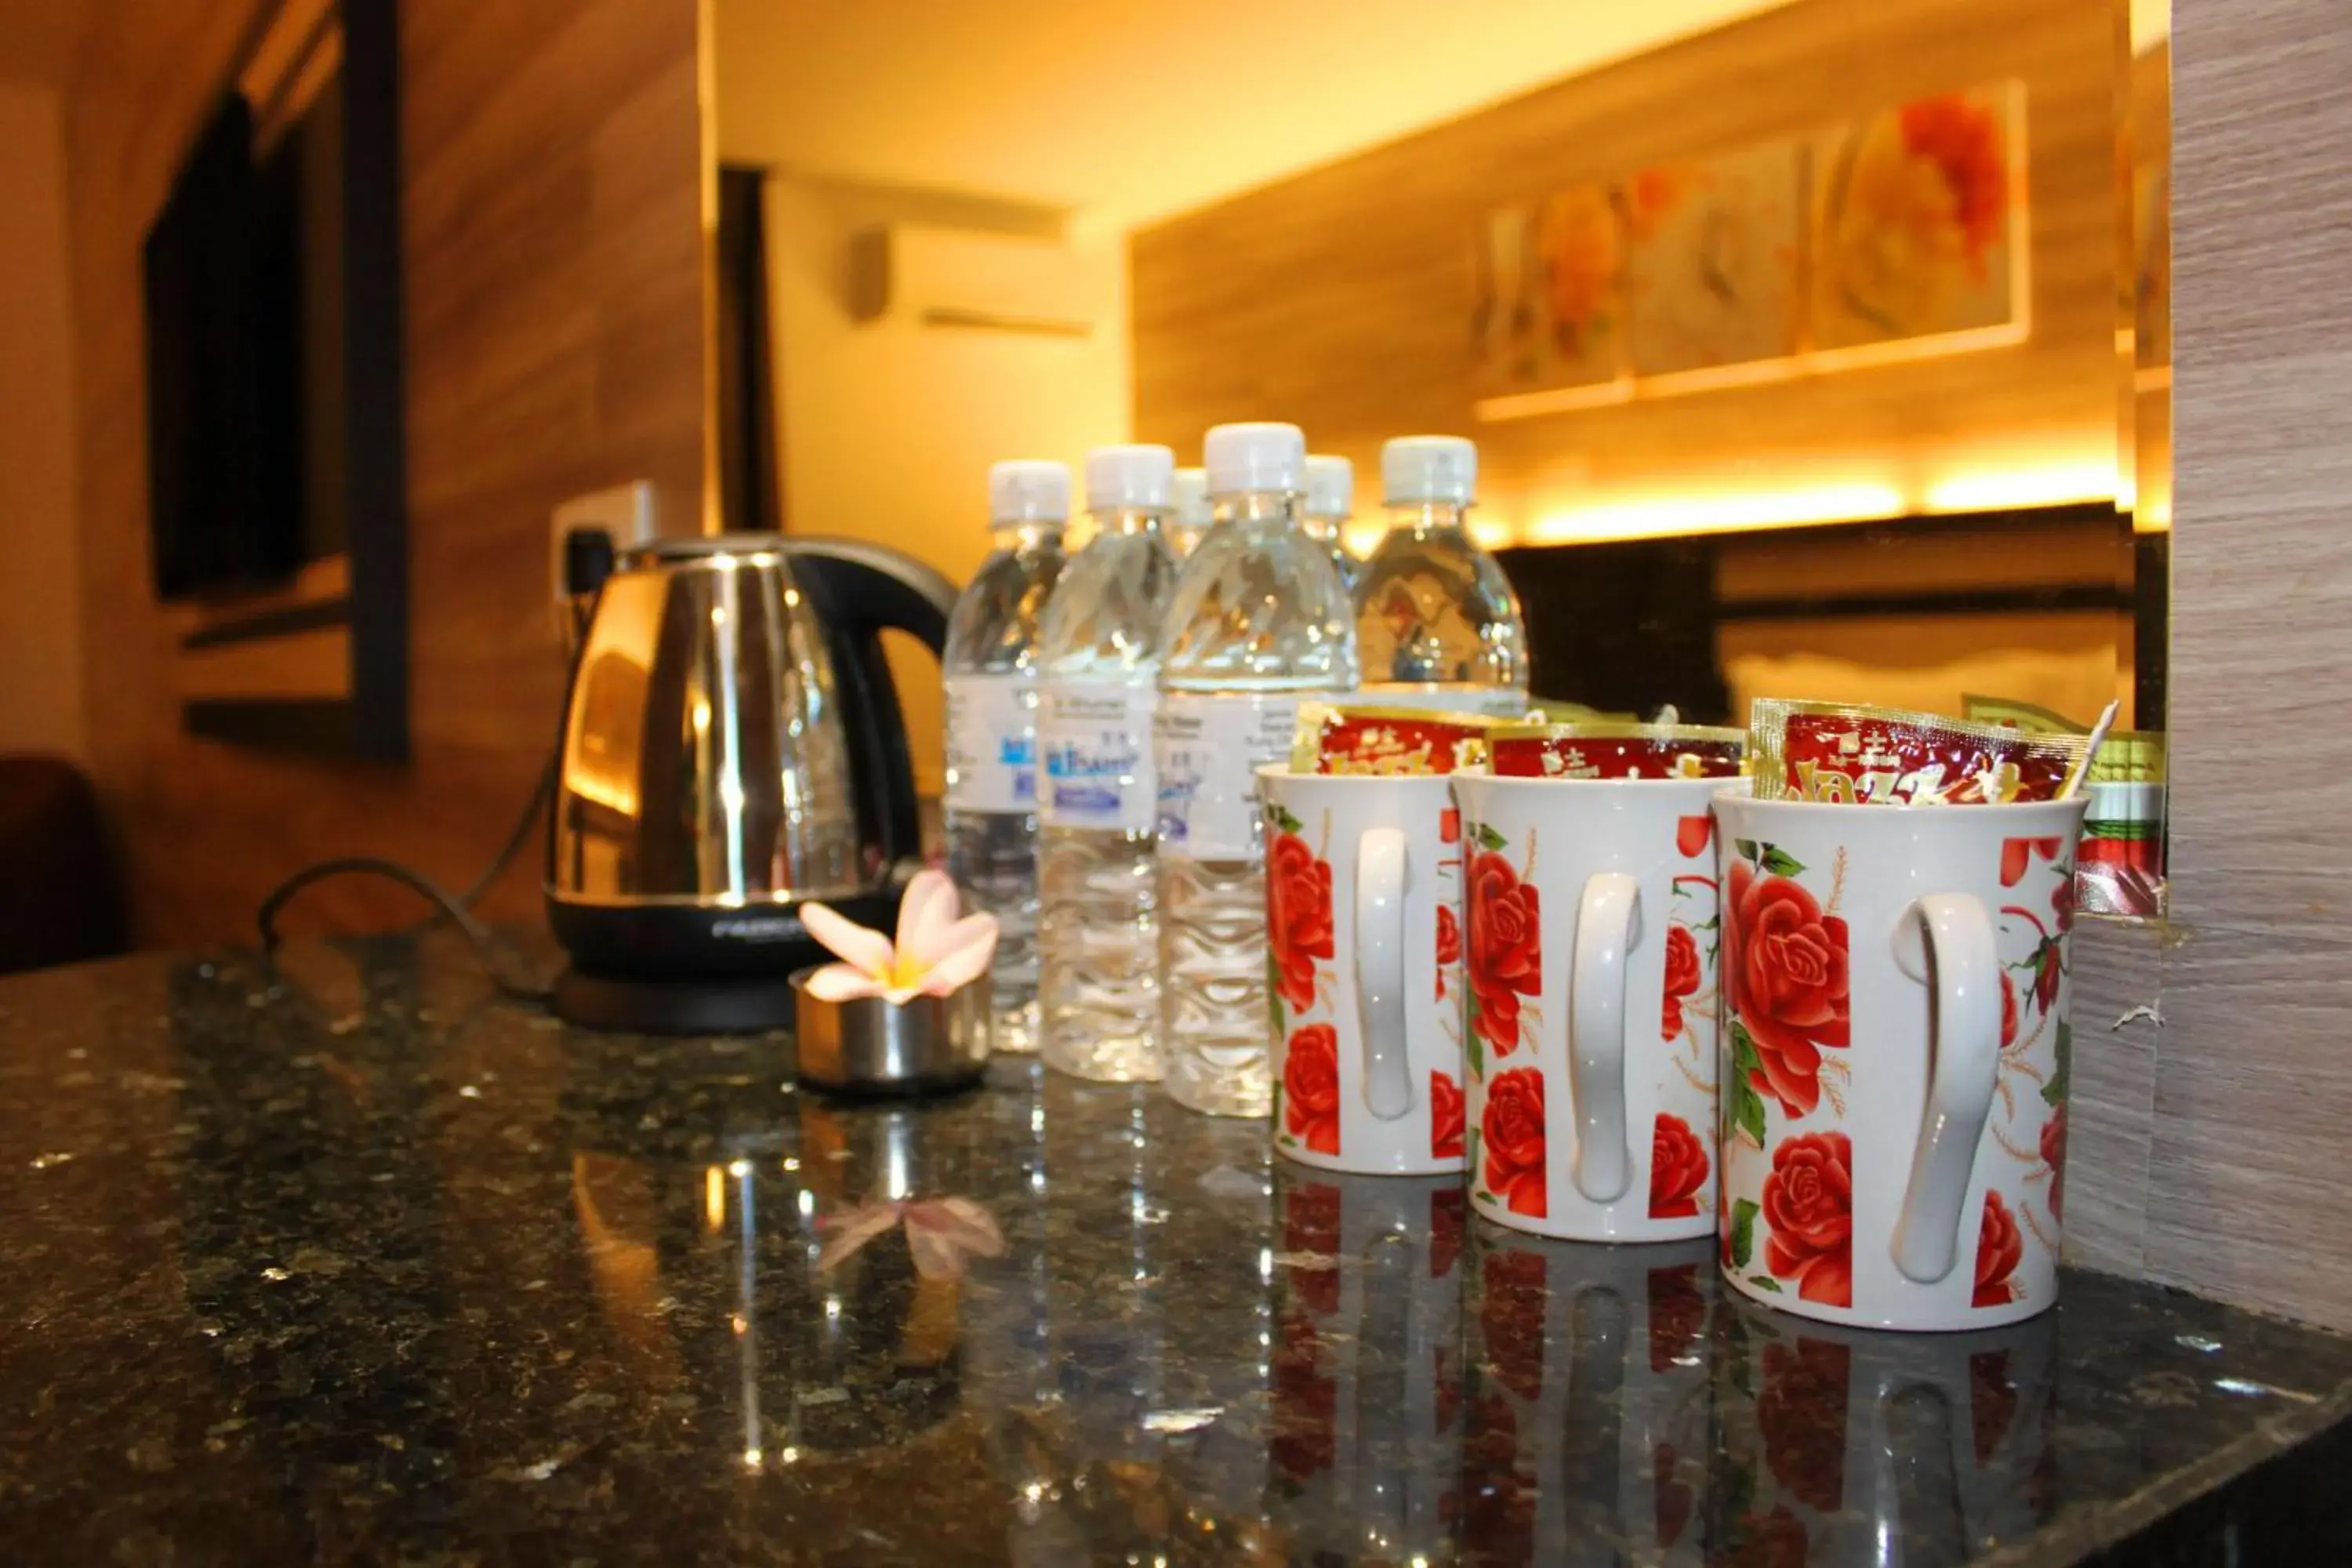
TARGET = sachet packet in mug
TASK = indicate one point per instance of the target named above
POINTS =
(1844, 753)
(1613, 751)
(1346, 739)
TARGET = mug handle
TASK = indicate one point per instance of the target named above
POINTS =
(1964, 1058)
(1608, 923)
(1380, 972)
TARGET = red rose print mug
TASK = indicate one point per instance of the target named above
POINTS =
(1363, 959)
(1589, 930)
(1895, 1056)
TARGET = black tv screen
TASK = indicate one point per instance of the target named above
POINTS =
(219, 505)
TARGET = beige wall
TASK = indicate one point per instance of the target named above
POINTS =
(886, 427)
(40, 637)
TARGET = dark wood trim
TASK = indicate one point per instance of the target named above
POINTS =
(750, 472)
(375, 470)
(2151, 626)
(269, 623)
(1955, 602)
(326, 726)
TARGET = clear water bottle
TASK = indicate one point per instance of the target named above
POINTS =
(1259, 620)
(1436, 622)
(1097, 688)
(1330, 502)
(992, 707)
(1190, 516)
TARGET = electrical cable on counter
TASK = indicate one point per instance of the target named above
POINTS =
(457, 909)
(588, 557)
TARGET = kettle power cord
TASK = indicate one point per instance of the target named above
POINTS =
(457, 909)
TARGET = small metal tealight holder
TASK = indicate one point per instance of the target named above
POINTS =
(870, 1045)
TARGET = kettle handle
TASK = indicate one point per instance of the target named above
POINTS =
(862, 591)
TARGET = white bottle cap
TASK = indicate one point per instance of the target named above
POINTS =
(1129, 476)
(1255, 457)
(1192, 498)
(1028, 489)
(1422, 470)
(1330, 487)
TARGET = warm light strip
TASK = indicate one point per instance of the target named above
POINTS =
(1662, 517)
(1752, 372)
(1562, 400)
(1716, 514)
(2002, 490)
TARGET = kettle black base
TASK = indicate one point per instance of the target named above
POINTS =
(690, 968)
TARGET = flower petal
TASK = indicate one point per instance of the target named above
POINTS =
(973, 930)
(859, 946)
(848, 1233)
(944, 1233)
(926, 910)
(841, 982)
(961, 967)
(976, 1229)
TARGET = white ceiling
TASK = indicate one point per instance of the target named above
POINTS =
(1127, 110)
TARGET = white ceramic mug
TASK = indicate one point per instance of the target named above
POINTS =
(1895, 1056)
(1589, 914)
(1362, 875)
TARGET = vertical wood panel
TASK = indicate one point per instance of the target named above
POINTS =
(2248, 1197)
(551, 206)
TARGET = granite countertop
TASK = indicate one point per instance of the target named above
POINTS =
(351, 1262)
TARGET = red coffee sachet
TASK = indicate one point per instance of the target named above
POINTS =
(1615, 752)
(1850, 754)
(1350, 739)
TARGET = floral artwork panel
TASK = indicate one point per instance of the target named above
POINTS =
(1917, 219)
(1549, 306)
(1713, 265)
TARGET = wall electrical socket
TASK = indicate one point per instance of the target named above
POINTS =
(626, 511)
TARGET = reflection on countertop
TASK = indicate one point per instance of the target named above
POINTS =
(351, 1262)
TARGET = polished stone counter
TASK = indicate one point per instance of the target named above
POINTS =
(351, 1262)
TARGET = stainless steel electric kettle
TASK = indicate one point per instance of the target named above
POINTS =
(732, 747)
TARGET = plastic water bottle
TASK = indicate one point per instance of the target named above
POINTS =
(1258, 621)
(992, 708)
(1191, 518)
(1330, 502)
(1099, 671)
(1436, 620)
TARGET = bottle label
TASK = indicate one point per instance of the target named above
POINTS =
(1094, 740)
(1207, 750)
(992, 743)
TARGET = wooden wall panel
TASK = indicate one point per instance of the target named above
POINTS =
(2248, 1193)
(1340, 298)
(553, 167)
